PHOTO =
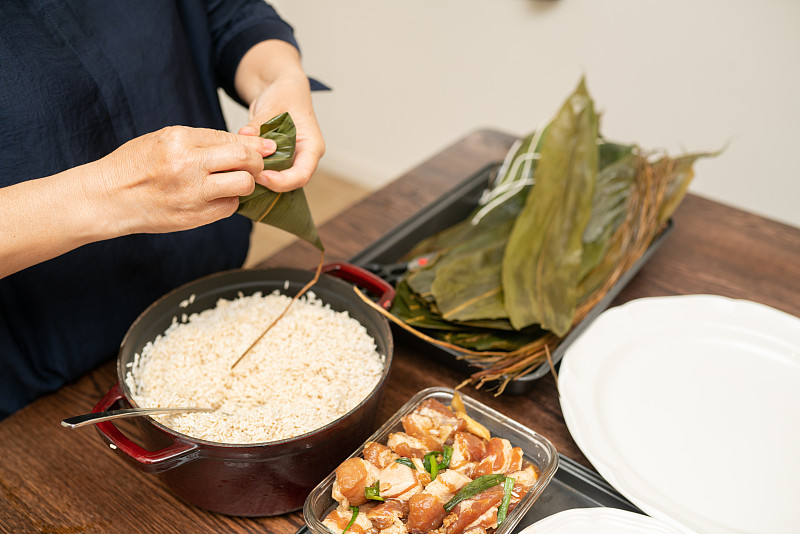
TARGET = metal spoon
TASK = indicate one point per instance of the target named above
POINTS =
(98, 417)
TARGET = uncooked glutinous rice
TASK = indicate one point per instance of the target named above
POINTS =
(313, 366)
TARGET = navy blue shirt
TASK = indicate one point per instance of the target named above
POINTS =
(77, 80)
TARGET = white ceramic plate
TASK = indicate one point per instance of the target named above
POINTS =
(690, 407)
(599, 521)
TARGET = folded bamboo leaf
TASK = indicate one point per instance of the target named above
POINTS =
(421, 313)
(289, 210)
(409, 307)
(442, 240)
(420, 280)
(482, 236)
(543, 255)
(478, 335)
(469, 286)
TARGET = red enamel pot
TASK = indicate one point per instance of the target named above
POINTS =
(260, 479)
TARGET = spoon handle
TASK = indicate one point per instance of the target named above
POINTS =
(98, 417)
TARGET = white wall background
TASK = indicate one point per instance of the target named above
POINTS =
(410, 77)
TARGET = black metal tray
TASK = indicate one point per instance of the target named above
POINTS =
(573, 486)
(451, 208)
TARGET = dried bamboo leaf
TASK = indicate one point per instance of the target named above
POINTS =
(288, 211)
(466, 279)
(469, 286)
(469, 243)
(415, 311)
(543, 255)
(421, 313)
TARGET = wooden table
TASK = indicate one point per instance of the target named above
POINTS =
(61, 481)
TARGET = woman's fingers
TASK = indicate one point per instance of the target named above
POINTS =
(294, 177)
(207, 137)
(227, 184)
(230, 157)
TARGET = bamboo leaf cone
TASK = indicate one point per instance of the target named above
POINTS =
(288, 211)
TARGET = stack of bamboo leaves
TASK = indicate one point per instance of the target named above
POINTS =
(566, 215)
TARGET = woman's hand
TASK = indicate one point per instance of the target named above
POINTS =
(179, 178)
(174, 179)
(271, 78)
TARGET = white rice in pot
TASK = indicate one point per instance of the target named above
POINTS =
(312, 367)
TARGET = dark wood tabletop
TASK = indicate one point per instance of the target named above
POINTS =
(61, 481)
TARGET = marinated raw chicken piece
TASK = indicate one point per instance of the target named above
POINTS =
(440, 414)
(398, 481)
(352, 477)
(379, 455)
(478, 511)
(425, 513)
(500, 457)
(388, 513)
(398, 527)
(468, 450)
(426, 509)
(523, 482)
(446, 485)
(406, 445)
(432, 423)
(525, 478)
(337, 521)
(515, 462)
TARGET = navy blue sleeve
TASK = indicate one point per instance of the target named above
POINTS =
(238, 25)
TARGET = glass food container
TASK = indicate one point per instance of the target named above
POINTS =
(536, 448)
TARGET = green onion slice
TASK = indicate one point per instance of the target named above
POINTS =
(354, 509)
(508, 486)
(480, 484)
(406, 462)
(373, 492)
(430, 463)
(447, 455)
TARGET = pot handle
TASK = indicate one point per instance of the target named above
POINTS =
(148, 461)
(362, 277)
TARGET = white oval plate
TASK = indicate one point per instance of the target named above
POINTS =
(599, 521)
(690, 407)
